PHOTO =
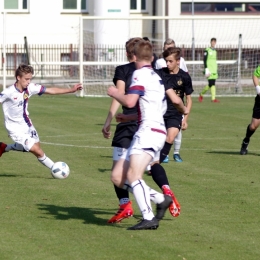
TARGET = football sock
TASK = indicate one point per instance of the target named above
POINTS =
(177, 143)
(204, 90)
(159, 175)
(155, 196)
(249, 133)
(165, 151)
(15, 147)
(122, 195)
(142, 196)
(213, 92)
(46, 161)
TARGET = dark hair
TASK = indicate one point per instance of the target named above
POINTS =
(175, 51)
(146, 39)
(23, 69)
(213, 39)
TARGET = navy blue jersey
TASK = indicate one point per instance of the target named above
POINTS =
(125, 131)
(182, 85)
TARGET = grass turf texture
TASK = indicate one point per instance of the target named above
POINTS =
(45, 218)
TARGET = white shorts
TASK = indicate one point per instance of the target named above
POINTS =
(119, 153)
(149, 140)
(27, 138)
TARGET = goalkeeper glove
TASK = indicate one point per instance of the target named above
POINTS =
(257, 88)
(207, 73)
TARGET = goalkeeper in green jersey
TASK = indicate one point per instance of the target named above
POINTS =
(255, 122)
(210, 70)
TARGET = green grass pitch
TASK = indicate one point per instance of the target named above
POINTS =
(45, 218)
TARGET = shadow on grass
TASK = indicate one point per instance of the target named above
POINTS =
(88, 215)
(232, 153)
(9, 175)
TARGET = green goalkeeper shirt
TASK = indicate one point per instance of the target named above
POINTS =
(210, 62)
(257, 72)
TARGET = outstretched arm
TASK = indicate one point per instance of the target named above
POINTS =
(56, 91)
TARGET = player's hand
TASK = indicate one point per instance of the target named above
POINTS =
(106, 131)
(207, 73)
(77, 87)
(184, 125)
(257, 88)
(111, 91)
(121, 118)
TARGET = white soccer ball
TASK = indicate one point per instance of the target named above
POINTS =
(60, 170)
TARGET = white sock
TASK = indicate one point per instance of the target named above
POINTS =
(142, 196)
(46, 161)
(177, 143)
(155, 196)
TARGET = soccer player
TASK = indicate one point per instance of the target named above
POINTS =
(148, 92)
(255, 122)
(123, 137)
(161, 63)
(211, 70)
(19, 126)
(124, 131)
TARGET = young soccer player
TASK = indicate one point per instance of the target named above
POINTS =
(19, 126)
(161, 63)
(211, 70)
(124, 131)
(148, 91)
(255, 121)
(122, 139)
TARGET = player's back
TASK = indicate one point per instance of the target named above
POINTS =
(152, 102)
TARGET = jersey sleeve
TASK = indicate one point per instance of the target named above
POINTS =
(205, 58)
(188, 84)
(3, 97)
(257, 72)
(138, 84)
(36, 89)
(119, 74)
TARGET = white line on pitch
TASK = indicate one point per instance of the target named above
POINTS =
(81, 146)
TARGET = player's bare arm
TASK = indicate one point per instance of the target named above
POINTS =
(120, 85)
(129, 100)
(56, 91)
(177, 102)
(122, 118)
(185, 119)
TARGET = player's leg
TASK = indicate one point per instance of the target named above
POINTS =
(160, 178)
(29, 142)
(141, 153)
(118, 177)
(213, 90)
(251, 128)
(173, 127)
(204, 91)
(177, 147)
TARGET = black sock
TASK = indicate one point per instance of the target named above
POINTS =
(121, 193)
(165, 151)
(249, 133)
(159, 175)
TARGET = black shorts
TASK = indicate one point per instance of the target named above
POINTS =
(173, 122)
(256, 109)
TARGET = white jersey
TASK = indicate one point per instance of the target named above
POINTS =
(152, 102)
(161, 63)
(15, 106)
